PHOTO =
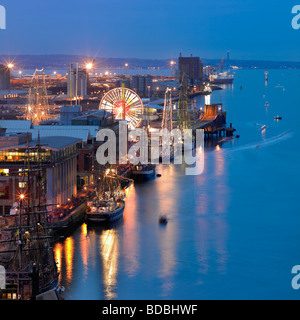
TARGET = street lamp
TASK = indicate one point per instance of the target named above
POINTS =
(89, 66)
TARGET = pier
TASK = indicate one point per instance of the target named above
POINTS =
(213, 122)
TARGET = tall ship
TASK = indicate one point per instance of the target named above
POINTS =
(26, 241)
(109, 202)
(27, 256)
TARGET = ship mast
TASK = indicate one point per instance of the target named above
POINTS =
(183, 104)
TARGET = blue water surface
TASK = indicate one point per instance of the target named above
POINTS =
(234, 231)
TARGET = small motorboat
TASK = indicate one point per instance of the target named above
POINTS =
(163, 220)
(264, 127)
(278, 118)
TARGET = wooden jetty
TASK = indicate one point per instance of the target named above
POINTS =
(213, 122)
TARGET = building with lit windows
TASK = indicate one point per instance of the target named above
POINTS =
(51, 163)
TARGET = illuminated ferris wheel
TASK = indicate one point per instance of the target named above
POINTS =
(124, 104)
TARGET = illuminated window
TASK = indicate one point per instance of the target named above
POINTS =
(4, 172)
(22, 185)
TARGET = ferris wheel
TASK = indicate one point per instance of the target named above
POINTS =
(125, 104)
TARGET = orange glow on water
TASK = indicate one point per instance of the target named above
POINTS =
(84, 248)
(130, 240)
(69, 252)
(58, 248)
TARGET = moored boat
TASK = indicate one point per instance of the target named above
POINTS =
(108, 204)
(66, 216)
(143, 172)
(105, 212)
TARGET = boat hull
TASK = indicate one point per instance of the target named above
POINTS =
(105, 218)
(143, 175)
(76, 216)
(222, 81)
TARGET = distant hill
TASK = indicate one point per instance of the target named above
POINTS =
(63, 61)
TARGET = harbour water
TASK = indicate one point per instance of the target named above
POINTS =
(233, 231)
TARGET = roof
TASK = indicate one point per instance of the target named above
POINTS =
(171, 83)
(68, 130)
(16, 125)
(95, 114)
(22, 126)
(81, 134)
(55, 143)
(6, 92)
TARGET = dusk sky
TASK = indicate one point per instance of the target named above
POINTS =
(250, 29)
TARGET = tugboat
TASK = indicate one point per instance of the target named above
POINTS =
(108, 205)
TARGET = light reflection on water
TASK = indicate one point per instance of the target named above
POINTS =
(109, 250)
(131, 236)
(228, 226)
(138, 246)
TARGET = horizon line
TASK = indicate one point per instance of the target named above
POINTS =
(139, 58)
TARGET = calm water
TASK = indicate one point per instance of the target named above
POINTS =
(234, 231)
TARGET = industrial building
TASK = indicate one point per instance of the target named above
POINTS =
(142, 85)
(192, 67)
(77, 82)
(4, 77)
(57, 159)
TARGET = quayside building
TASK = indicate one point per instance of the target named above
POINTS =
(43, 169)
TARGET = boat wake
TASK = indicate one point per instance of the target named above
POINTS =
(265, 143)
